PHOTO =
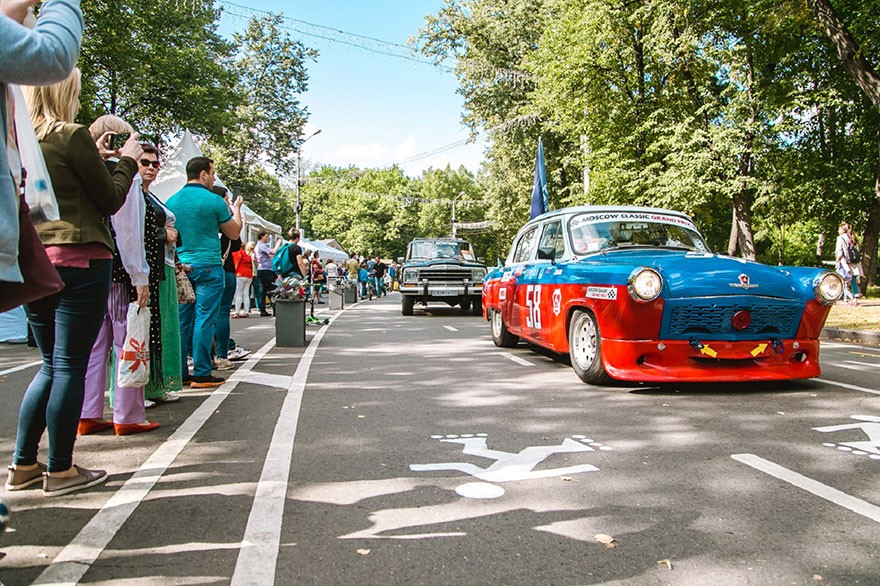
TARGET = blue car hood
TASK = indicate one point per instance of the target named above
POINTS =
(701, 275)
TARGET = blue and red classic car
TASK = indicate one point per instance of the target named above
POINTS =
(635, 294)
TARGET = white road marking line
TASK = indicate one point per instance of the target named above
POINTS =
(516, 359)
(78, 556)
(815, 487)
(450, 328)
(846, 386)
(851, 366)
(258, 556)
(21, 367)
(278, 381)
(868, 364)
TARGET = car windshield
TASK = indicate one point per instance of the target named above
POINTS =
(595, 232)
(458, 250)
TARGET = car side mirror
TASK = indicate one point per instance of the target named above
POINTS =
(547, 253)
(481, 260)
(400, 260)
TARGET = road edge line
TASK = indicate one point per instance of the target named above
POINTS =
(846, 386)
(77, 557)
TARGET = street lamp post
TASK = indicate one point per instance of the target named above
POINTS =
(299, 172)
(455, 199)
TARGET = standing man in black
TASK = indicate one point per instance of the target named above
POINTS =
(296, 255)
(379, 269)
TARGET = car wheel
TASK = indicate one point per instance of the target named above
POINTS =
(500, 335)
(477, 307)
(585, 348)
(406, 304)
(465, 305)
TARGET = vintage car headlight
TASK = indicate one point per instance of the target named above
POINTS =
(828, 287)
(644, 284)
(410, 275)
(479, 274)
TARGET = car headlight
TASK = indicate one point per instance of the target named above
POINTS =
(479, 274)
(644, 284)
(411, 275)
(828, 287)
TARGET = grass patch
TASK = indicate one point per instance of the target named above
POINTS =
(862, 317)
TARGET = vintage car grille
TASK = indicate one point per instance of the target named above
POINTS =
(768, 319)
(445, 274)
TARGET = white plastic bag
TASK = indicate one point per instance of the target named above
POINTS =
(134, 363)
(38, 190)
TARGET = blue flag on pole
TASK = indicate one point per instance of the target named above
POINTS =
(540, 198)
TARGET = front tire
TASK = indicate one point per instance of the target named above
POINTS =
(500, 335)
(585, 348)
(406, 304)
(477, 307)
(465, 305)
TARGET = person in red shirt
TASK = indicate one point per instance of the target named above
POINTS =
(244, 274)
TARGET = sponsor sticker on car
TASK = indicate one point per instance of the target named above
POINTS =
(609, 293)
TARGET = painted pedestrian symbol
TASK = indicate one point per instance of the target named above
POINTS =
(870, 425)
(508, 466)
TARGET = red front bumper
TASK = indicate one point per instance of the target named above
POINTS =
(678, 361)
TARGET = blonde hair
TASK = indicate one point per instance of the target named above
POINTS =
(249, 247)
(108, 123)
(54, 105)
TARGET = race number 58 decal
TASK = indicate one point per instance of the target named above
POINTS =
(533, 303)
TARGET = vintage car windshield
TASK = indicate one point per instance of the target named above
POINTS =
(595, 232)
(429, 250)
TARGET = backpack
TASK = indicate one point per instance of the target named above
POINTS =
(852, 253)
(281, 261)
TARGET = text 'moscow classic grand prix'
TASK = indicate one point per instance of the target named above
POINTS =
(635, 294)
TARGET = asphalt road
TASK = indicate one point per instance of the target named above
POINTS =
(411, 450)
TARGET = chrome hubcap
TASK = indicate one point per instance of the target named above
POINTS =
(585, 342)
(497, 324)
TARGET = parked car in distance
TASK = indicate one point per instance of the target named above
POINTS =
(635, 294)
(443, 270)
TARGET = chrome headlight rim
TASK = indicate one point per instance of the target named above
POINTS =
(643, 291)
(824, 285)
(478, 274)
(410, 275)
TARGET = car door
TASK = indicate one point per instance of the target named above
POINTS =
(509, 292)
(540, 283)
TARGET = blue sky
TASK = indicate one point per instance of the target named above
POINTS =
(373, 110)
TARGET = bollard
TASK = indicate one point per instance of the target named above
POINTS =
(337, 298)
(290, 322)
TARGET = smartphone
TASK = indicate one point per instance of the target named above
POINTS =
(118, 140)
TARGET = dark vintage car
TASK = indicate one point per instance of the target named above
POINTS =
(635, 294)
(443, 270)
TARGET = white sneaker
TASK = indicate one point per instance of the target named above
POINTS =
(238, 353)
(223, 364)
(148, 404)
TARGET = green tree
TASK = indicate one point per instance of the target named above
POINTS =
(161, 66)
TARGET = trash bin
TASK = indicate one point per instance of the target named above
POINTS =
(350, 292)
(290, 322)
(337, 295)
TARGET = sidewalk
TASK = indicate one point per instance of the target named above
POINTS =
(855, 323)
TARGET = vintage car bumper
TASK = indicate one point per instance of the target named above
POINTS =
(442, 290)
(716, 361)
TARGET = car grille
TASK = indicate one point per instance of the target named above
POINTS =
(445, 274)
(768, 319)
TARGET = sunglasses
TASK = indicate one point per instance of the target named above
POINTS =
(147, 163)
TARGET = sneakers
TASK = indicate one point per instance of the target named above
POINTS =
(237, 354)
(19, 479)
(168, 397)
(189, 361)
(223, 364)
(204, 382)
(149, 404)
(56, 485)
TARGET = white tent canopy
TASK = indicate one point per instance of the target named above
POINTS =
(173, 178)
(326, 251)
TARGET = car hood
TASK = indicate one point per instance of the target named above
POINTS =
(701, 274)
(442, 262)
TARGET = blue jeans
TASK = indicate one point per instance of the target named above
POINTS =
(221, 332)
(65, 326)
(197, 320)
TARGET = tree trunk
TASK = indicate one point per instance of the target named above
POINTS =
(820, 247)
(872, 229)
(742, 197)
(848, 51)
(734, 234)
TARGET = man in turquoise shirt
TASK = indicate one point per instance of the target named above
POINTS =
(199, 213)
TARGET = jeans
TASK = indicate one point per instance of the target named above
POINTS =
(267, 282)
(259, 295)
(380, 286)
(221, 332)
(65, 326)
(198, 320)
(241, 303)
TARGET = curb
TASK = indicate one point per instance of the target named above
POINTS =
(854, 335)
